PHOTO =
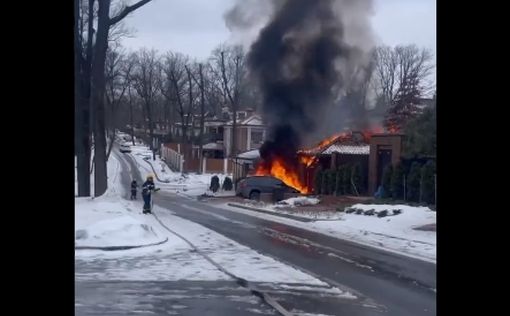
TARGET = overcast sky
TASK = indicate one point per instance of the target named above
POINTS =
(195, 27)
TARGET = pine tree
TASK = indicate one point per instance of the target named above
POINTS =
(340, 180)
(386, 181)
(356, 178)
(428, 182)
(405, 105)
(397, 183)
(413, 182)
(318, 182)
(347, 187)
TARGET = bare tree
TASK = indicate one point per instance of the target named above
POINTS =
(92, 77)
(228, 65)
(175, 73)
(118, 80)
(386, 69)
(394, 67)
(190, 115)
(145, 82)
(201, 85)
(402, 76)
(83, 40)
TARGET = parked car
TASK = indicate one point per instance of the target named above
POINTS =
(125, 148)
(253, 187)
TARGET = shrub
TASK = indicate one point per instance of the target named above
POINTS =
(215, 184)
(227, 184)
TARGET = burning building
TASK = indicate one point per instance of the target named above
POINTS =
(308, 56)
(371, 151)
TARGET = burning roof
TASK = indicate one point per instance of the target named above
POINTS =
(346, 142)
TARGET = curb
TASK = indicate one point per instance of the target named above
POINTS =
(301, 219)
(114, 248)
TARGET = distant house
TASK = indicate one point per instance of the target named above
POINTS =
(250, 134)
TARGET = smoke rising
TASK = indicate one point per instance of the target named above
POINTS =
(306, 57)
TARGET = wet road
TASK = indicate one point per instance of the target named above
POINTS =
(396, 284)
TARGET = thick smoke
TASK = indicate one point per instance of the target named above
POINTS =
(304, 60)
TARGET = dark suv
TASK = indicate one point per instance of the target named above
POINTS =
(252, 187)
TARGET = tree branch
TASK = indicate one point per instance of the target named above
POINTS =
(128, 9)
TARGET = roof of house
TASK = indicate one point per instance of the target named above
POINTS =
(213, 146)
(252, 120)
(250, 155)
(347, 149)
(352, 143)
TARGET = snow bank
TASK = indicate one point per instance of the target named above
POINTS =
(299, 201)
(143, 158)
(395, 233)
(193, 184)
(120, 231)
(109, 220)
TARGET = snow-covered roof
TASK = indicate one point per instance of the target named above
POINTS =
(348, 149)
(214, 123)
(251, 155)
(213, 146)
(253, 120)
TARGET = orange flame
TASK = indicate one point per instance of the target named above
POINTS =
(280, 170)
(307, 160)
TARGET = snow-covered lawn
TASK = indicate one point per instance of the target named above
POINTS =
(143, 159)
(189, 184)
(394, 233)
(109, 220)
(298, 201)
(289, 207)
(193, 184)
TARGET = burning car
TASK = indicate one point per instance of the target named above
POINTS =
(253, 187)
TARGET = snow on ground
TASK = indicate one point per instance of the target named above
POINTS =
(190, 184)
(298, 201)
(240, 260)
(393, 233)
(109, 220)
(105, 224)
(288, 207)
(193, 184)
(143, 158)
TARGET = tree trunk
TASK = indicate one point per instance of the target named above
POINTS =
(131, 121)
(111, 129)
(202, 113)
(98, 92)
(78, 106)
(82, 97)
(151, 131)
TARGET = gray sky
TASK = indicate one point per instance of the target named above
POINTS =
(195, 27)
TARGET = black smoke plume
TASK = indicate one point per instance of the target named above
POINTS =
(302, 63)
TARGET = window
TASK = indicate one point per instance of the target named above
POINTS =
(257, 137)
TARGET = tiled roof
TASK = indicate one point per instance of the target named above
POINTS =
(348, 149)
